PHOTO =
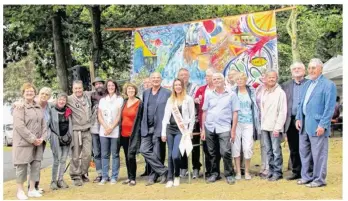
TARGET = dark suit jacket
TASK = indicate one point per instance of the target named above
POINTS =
(288, 89)
(162, 98)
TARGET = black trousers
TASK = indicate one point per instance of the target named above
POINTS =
(130, 156)
(220, 143)
(154, 150)
(293, 141)
(195, 155)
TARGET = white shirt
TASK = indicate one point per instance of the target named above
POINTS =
(110, 108)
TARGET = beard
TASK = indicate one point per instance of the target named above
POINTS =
(100, 90)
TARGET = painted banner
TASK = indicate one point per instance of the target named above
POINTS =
(246, 43)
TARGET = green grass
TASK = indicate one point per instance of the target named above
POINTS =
(250, 190)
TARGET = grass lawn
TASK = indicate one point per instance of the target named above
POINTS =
(253, 189)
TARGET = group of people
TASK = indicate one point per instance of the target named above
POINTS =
(228, 116)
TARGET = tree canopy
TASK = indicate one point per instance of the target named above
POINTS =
(31, 43)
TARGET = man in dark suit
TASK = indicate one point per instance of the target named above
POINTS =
(152, 147)
(292, 89)
(313, 120)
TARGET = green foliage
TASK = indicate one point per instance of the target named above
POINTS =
(319, 34)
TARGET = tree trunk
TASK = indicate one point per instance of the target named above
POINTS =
(97, 47)
(59, 52)
(291, 27)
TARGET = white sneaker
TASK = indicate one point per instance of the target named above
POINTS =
(40, 190)
(21, 195)
(102, 182)
(169, 184)
(34, 194)
(238, 177)
(176, 181)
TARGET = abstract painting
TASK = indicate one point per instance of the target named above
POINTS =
(246, 43)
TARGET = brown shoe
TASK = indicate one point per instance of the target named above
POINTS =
(85, 178)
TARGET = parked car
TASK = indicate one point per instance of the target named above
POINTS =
(8, 131)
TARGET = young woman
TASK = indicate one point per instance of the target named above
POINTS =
(131, 114)
(109, 113)
(60, 139)
(178, 122)
(248, 127)
(29, 132)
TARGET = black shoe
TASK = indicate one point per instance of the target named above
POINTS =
(293, 177)
(144, 174)
(275, 178)
(97, 179)
(207, 174)
(212, 179)
(164, 178)
(85, 178)
(150, 182)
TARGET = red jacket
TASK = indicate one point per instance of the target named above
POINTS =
(200, 92)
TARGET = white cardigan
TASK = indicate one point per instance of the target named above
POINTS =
(188, 114)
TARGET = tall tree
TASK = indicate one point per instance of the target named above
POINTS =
(60, 50)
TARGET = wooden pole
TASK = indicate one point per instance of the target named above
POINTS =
(135, 28)
(91, 71)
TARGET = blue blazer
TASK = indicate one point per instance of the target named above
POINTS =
(161, 102)
(320, 107)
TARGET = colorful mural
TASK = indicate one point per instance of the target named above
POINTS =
(247, 43)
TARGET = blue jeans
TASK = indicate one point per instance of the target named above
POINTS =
(110, 145)
(274, 153)
(173, 141)
(97, 153)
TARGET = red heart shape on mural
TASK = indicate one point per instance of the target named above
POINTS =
(209, 25)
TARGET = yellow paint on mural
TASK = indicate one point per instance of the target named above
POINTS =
(202, 42)
(259, 61)
(213, 40)
(263, 24)
(139, 43)
(203, 62)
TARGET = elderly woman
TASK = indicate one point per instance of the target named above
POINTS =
(248, 126)
(109, 114)
(264, 162)
(42, 99)
(28, 135)
(60, 139)
(178, 121)
(131, 114)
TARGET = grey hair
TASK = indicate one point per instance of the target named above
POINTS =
(271, 71)
(62, 94)
(316, 61)
(46, 90)
(77, 82)
(220, 75)
(297, 63)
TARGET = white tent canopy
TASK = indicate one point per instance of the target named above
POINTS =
(333, 70)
